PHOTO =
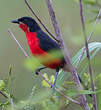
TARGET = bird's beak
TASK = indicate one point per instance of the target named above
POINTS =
(15, 21)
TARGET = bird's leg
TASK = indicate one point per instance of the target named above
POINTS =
(39, 69)
(54, 84)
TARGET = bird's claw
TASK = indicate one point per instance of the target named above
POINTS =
(36, 71)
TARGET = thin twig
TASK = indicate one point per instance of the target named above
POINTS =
(33, 12)
(72, 100)
(88, 55)
(66, 54)
(11, 99)
(59, 35)
(23, 51)
(89, 38)
(3, 94)
(19, 45)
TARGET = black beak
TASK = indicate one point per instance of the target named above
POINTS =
(15, 21)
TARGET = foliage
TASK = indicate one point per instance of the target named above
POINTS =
(46, 98)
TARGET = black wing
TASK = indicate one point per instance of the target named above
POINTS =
(47, 43)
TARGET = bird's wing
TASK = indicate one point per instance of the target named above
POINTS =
(47, 43)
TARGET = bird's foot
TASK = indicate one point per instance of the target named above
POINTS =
(53, 85)
(37, 71)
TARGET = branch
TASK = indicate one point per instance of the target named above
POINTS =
(88, 55)
(66, 54)
(11, 100)
(59, 36)
(3, 94)
(84, 50)
(33, 12)
(19, 45)
(72, 100)
(23, 51)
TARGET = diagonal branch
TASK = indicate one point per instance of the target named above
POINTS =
(72, 100)
(3, 94)
(10, 99)
(33, 12)
(23, 51)
(88, 55)
(84, 50)
(66, 54)
(19, 45)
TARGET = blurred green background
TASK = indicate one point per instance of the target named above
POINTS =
(67, 12)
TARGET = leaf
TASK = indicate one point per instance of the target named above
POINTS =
(62, 76)
(52, 79)
(75, 92)
(44, 83)
(31, 102)
(2, 84)
(98, 77)
(92, 46)
(10, 70)
(90, 105)
(94, 11)
(87, 2)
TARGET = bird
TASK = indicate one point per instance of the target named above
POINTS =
(41, 45)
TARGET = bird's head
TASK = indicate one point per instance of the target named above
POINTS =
(27, 24)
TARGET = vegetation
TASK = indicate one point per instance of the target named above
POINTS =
(65, 96)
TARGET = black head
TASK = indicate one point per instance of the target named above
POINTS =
(30, 22)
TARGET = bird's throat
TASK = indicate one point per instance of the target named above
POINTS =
(24, 27)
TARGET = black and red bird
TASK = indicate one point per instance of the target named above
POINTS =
(41, 44)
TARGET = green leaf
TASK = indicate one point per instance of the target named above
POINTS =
(2, 84)
(52, 79)
(86, 65)
(90, 105)
(98, 77)
(94, 11)
(10, 70)
(75, 92)
(31, 102)
(92, 46)
(87, 2)
(62, 76)
(44, 83)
